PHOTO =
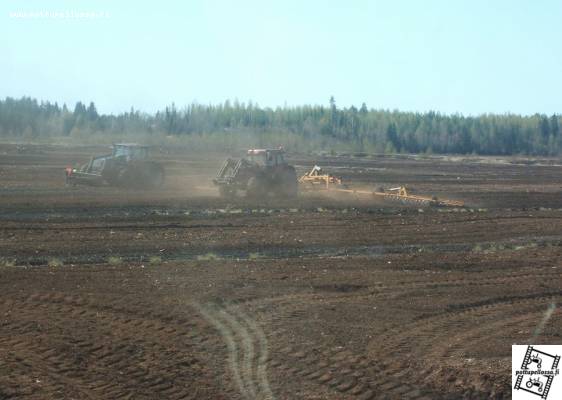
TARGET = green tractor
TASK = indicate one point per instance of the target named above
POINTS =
(127, 166)
(262, 173)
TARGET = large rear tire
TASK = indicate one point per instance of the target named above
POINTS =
(141, 176)
(131, 177)
(288, 185)
(255, 189)
(156, 175)
(227, 192)
(111, 172)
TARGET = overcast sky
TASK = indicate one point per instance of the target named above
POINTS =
(469, 57)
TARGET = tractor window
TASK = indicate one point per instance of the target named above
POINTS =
(259, 159)
(120, 151)
(267, 158)
(131, 152)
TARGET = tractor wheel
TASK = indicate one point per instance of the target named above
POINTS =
(227, 192)
(111, 173)
(130, 177)
(155, 175)
(141, 176)
(255, 188)
(288, 186)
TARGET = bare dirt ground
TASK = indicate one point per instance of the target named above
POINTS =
(178, 294)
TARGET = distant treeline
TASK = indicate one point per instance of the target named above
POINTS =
(361, 129)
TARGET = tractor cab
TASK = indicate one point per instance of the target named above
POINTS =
(266, 157)
(130, 151)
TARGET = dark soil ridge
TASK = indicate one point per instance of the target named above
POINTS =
(209, 253)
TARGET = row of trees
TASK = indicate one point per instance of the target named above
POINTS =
(361, 128)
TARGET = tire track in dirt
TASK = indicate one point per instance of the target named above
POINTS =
(466, 338)
(48, 357)
(359, 376)
(137, 343)
(247, 349)
(261, 370)
(345, 374)
(280, 303)
(349, 377)
(433, 281)
(232, 346)
(492, 318)
(340, 372)
(30, 360)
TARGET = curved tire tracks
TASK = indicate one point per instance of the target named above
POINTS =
(247, 349)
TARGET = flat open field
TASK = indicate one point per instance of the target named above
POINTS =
(178, 294)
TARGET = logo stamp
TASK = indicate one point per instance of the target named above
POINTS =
(535, 372)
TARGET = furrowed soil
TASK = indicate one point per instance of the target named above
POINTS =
(178, 294)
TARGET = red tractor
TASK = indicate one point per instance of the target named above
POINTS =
(262, 173)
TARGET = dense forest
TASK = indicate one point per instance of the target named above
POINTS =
(362, 129)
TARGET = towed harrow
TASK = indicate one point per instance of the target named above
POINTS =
(316, 178)
(401, 195)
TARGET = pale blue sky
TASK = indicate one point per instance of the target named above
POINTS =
(450, 56)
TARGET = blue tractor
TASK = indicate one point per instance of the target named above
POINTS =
(127, 166)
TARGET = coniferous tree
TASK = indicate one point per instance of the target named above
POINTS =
(376, 130)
